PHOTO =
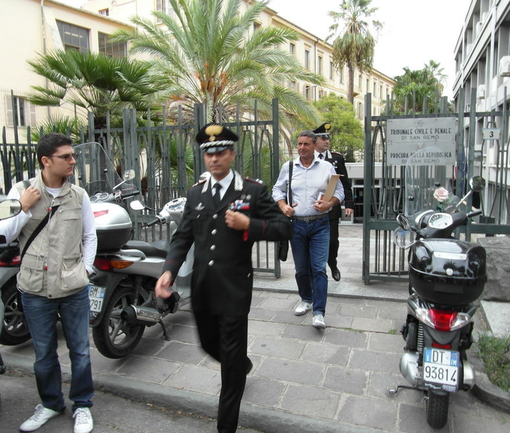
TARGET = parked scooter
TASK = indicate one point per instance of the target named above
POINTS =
(8, 209)
(122, 295)
(446, 275)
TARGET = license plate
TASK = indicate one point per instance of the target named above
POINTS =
(96, 296)
(441, 367)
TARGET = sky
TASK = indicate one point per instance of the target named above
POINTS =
(414, 32)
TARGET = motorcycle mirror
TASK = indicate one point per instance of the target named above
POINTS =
(129, 174)
(403, 222)
(137, 205)
(477, 183)
(9, 208)
(402, 238)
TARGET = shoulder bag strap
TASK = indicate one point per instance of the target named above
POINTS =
(38, 229)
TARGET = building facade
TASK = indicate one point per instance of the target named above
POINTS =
(32, 27)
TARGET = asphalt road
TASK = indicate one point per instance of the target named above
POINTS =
(18, 398)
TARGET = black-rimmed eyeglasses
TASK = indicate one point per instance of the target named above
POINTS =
(66, 156)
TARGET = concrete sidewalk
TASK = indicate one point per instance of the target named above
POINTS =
(304, 379)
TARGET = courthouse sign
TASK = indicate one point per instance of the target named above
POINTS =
(405, 137)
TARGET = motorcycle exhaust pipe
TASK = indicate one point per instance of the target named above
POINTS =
(409, 367)
(136, 314)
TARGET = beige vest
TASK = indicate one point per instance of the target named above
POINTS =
(53, 263)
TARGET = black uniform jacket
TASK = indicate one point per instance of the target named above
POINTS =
(338, 162)
(222, 279)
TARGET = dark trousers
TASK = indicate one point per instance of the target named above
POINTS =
(225, 338)
(333, 243)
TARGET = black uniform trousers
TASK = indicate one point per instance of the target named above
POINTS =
(334, 243)
(225, 338)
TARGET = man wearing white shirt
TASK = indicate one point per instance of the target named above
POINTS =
(309, 213)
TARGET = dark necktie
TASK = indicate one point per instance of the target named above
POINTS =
(321, 156)
(216, 196)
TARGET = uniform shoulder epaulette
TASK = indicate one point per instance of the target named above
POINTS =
(200, 182)
(335, 153)
(249, 179)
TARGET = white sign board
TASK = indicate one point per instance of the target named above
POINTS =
(491, 133)
(405, 137)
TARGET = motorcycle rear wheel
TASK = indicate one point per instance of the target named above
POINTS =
(114, 337)
(437, 409)
(14, 327)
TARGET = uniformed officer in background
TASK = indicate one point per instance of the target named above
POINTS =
(224, 215)
(335, 158)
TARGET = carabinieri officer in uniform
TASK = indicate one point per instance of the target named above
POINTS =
(224, 215)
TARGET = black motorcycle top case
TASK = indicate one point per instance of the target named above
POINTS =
(447, 271)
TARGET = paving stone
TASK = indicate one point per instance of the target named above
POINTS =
(304, 333)
(182, 352)
(279, 347)
(326, 353)
(289, 317)
(386, 343)
(375, 413)
(258, 313)
(157, 372)
(369, 360)
(197, 379)
(371, 325)
(263, 392)
(315, 402)
(279, 303)
(346, 380)
(291, 371)
(347, 338)
(258, 327)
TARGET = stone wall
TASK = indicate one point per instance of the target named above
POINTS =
(497, 287)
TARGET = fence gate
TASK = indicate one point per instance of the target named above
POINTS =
(482, 148)
(166, 160)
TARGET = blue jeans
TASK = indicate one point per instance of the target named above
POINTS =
(310, 246)
(42, 315)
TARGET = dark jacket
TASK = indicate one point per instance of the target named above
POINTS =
(338, 162)
(222, 279)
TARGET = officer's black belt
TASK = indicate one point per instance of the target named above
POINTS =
(309, 218)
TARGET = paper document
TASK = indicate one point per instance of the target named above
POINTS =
(331, 187)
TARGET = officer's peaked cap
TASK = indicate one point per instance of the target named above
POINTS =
(214, 138)
(323, 130)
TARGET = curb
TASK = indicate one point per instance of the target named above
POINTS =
(485, 390)
(254, 417)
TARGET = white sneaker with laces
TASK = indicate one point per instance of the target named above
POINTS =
(83, 422)
(40, 417)
(303, 308)
(318, 321)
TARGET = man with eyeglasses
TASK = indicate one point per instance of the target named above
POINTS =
(58, 242)
(335, 158)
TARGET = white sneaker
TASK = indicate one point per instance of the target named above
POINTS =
(83, 422)
(40, 417)
(303, 308)
(318, 321)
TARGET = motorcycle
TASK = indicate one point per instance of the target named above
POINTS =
(122, 298)
(446, 277)
(8, 209)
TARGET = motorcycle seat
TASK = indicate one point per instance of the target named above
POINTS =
(155, 249)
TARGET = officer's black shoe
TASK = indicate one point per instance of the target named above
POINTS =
(249, 366)
(336, 274)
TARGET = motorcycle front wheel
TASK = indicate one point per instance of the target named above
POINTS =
(113, 336)
(14, 327)
(437, 409)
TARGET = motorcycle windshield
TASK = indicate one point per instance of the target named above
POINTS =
(95, 171)
(428, 185)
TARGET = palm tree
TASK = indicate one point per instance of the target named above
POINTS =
(355, 46)
(210, 52)
(94, 82)
(419, 90)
